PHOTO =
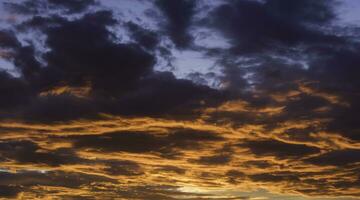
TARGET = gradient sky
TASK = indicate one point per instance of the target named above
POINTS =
(180, 99)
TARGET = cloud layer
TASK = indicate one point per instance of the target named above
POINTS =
(97, 104)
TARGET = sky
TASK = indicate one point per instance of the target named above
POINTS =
(180, 99)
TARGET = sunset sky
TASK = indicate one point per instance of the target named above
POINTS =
(180, 99)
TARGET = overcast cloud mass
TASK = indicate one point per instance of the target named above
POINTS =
(180, 99)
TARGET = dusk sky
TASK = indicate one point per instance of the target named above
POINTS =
(180, 99)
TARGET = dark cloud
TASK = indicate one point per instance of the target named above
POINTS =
(258, 164)
(120, 141)
(345, 123)
(83, 50)
(214, 160)
(72, 6)
(26, 7)
(144, 37)
(179, 97)
(29, 152)
(337, 158)
(287, 75)
(281, 150)
(182, 134)
(144, 142)
(335, 70)
(14, 91)
(31, 7)
(235, 176)
(303, 11)
(301, 134)
(28, 179)
(275, 178)
(173, 169)
(8, 39)
(9, 191)
(72, 43)
(179, 14)
(254, 26)
(282, 76)
(121, 79)
(23, 57)
(56, 108)
(300, 107)
(25, 60)
(124, 168)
